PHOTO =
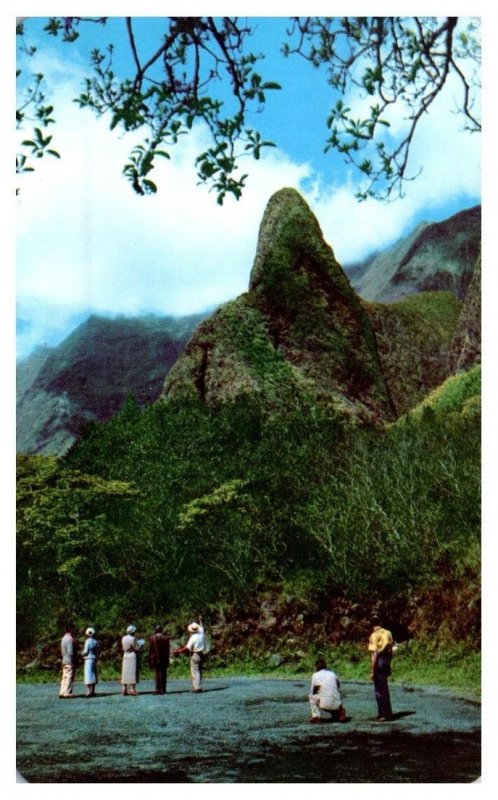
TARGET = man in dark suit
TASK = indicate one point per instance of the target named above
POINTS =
(159, 658)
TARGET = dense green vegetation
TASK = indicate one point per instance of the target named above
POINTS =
(413, 337)
(177, 507)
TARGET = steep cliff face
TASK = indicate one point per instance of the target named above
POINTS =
(465, 350)
(91, 373)
(436, 257)
(299, 331)
(414, 338)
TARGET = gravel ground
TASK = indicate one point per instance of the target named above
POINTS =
(243, 730)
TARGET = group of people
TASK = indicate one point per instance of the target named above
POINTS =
(158, 658)
(325, 693)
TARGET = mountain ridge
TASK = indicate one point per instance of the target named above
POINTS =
(375, 361)
(91, 373)
(436, 256)
(301, 330)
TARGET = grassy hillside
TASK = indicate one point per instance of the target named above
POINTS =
(177, 507)
(414, 337)
(459, 394)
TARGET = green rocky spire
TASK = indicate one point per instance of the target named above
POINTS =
(299, 331)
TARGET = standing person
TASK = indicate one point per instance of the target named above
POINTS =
(129, 672)
(68, 653)
(195, 647)
(159, 658)
(90, 649)
(325, 694)
(380, 646)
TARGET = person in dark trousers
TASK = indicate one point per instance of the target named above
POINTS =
(159, 658)
(380, 646)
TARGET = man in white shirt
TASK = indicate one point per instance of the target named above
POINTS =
(196, 648)
(325, 694)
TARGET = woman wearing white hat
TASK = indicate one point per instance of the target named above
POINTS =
(129, 672)
(90, 649)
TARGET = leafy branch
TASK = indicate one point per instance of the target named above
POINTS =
(398, 64)
(33, 110)
(168, 93)
(402, 62)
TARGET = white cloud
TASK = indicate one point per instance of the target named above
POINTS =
(450, 162)
(86, 241)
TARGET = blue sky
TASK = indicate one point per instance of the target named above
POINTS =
(87, 244)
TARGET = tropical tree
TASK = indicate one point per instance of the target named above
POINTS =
(402, 62)
(394, 62)
(74, 553)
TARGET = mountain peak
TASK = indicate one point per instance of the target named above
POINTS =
(286, 217)
(300, 329)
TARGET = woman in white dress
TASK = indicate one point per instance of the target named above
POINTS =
(129, 672)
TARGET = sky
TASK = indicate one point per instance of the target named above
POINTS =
(80, 241)
(86, 243)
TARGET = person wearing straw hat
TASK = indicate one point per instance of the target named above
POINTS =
(195, 647)
(90, 650)
(129, 672)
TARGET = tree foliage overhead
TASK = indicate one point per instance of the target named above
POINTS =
(394, 62)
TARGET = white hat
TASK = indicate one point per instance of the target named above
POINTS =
(90, 631)
(193, 627)
(131, 629)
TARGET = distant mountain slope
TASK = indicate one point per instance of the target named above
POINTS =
(90, 374)
(434, 257)
(29, 371)
(301, 331)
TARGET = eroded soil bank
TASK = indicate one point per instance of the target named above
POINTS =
(243, 730)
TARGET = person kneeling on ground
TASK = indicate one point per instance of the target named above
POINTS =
(325, 694)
